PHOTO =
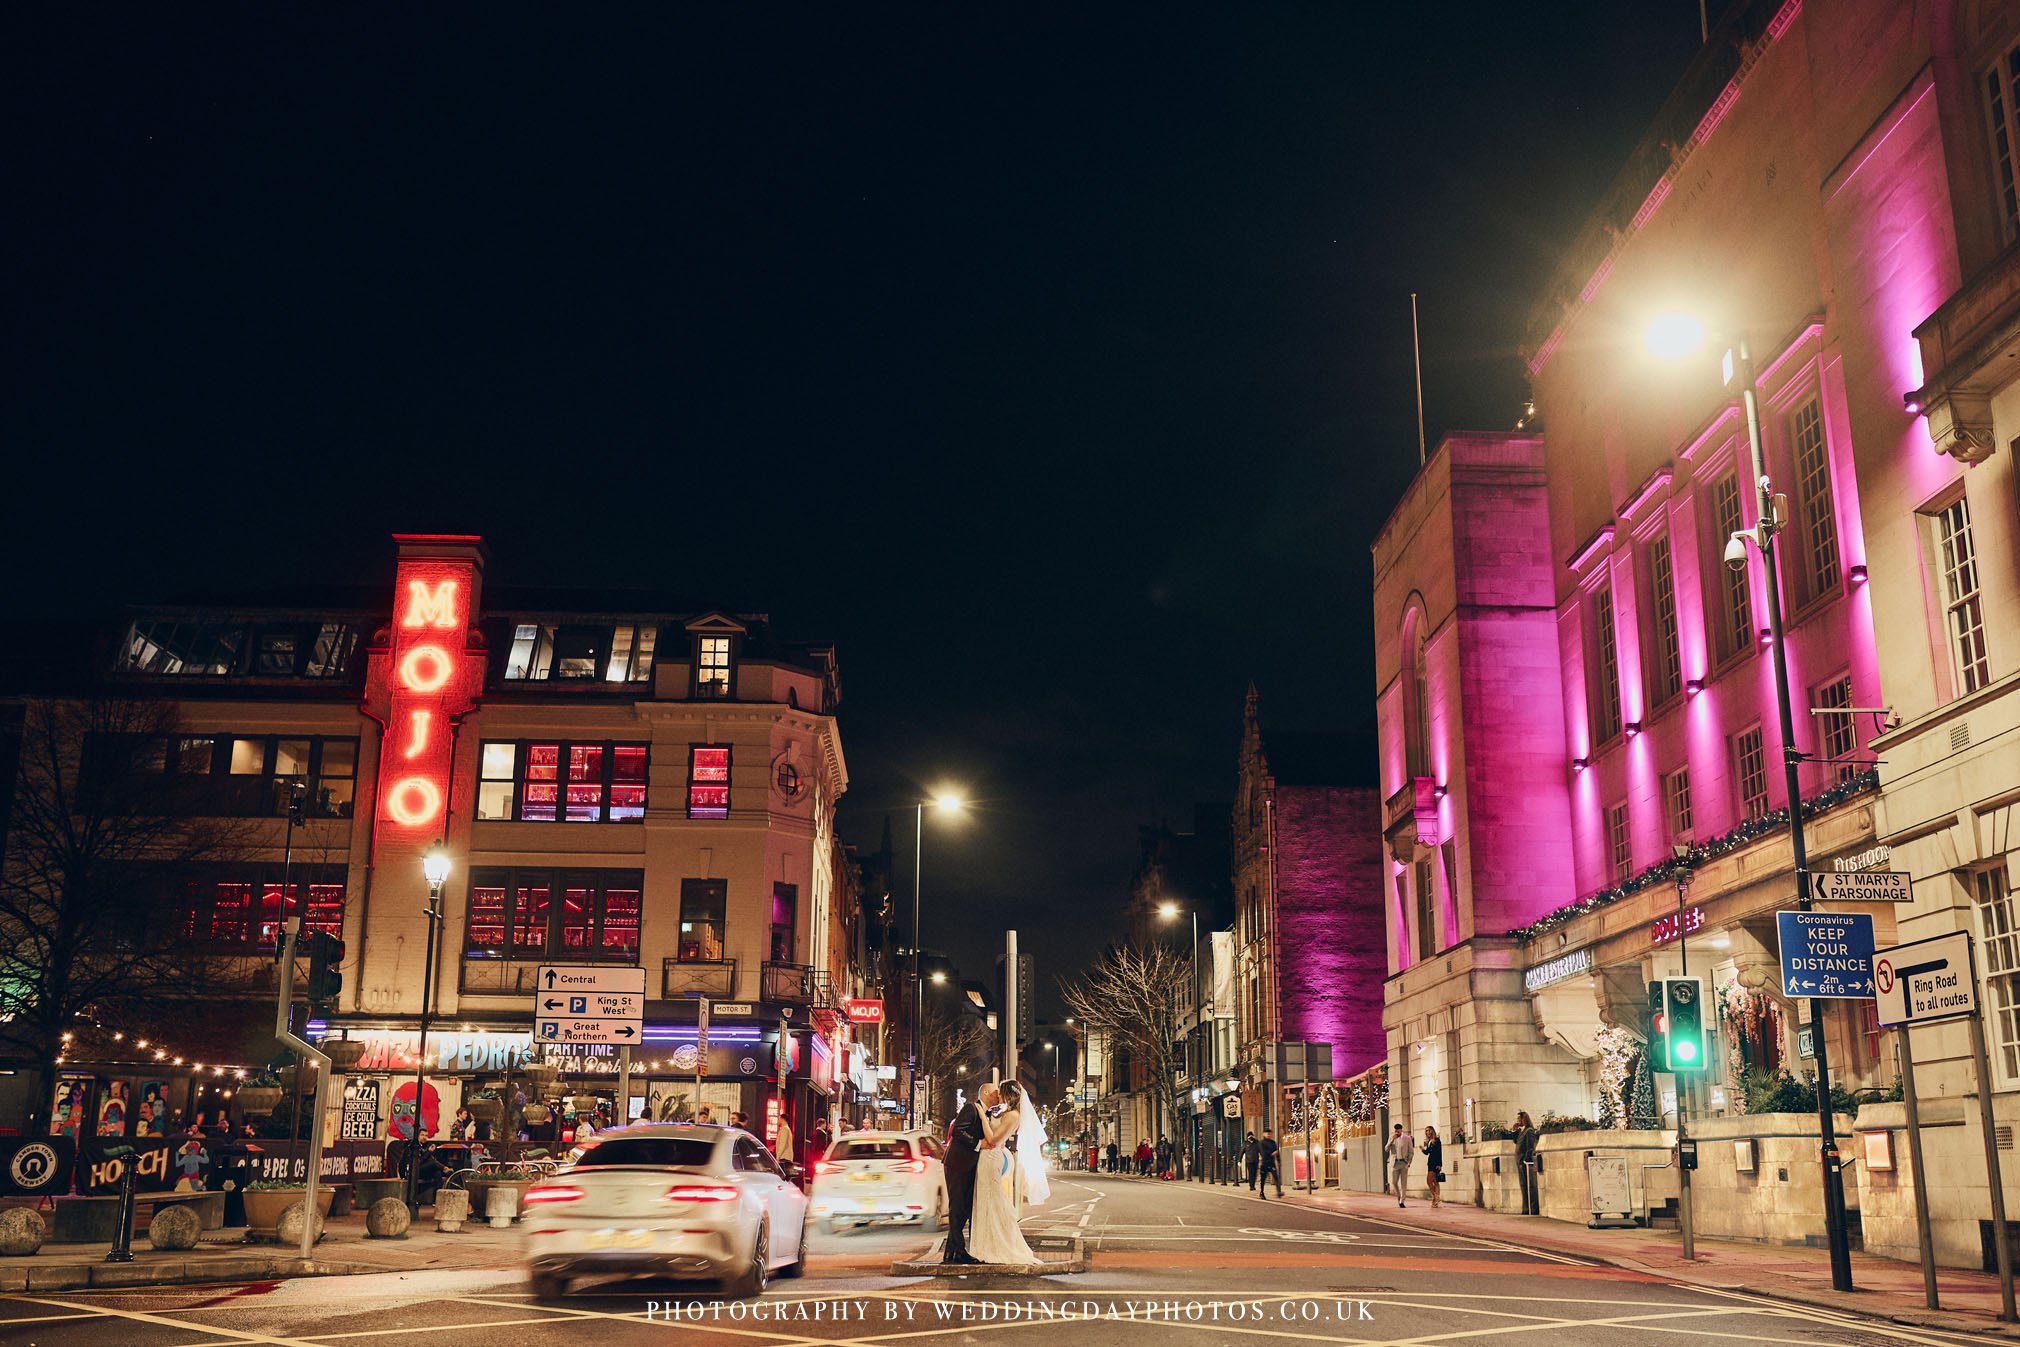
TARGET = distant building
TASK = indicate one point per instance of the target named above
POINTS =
(1309, 893)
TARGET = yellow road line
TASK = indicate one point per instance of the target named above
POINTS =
(137, 1316)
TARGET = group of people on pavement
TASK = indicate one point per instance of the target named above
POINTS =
(1402, 1151)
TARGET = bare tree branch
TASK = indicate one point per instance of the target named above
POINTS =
(1133, 992)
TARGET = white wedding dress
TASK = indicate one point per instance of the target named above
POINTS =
(1005, 1181)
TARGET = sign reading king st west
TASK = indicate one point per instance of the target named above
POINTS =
(589, 1005)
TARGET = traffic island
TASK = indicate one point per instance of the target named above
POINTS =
(1057, 1254)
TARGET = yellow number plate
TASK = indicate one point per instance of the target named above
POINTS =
(871, 1177)
(620, 1239)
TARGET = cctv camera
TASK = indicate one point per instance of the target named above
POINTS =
(1735, 552)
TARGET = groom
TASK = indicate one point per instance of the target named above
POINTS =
(964, 1139)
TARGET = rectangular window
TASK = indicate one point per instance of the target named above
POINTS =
(708, 781)
(1749, 762)
(1964, 618)
(1733, 608)
(558, 781)
(703, 903)
(1427, 912)
(785, 917)
(243, 909)
(712, 667)
(1666, 666)
(255, 776)
(1605, 667)
(330, 652)
(532, 654)
(1676, 804)
(1620, 846)
(1839, 734)
(1999, 948)
(631, 654)
(1817, 512)
(2002, 82)
(526, 915)
(183, 649)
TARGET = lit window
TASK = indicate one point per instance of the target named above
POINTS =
(1667, 678)
(239, 909)
(561, 782)
(1750, 771)
(330, 655)
(708, 782)
(590, 915)
(261, 774)
(1819, 539)
(1839, 732)
(785, 917)
(1606, 667)
(203, 649)
(1957, 560)
(1999, 947)
(578, 651)
(712, 667)
(1427, 912)
(631, 654)
(1735, 615)
(1620, 846)
(1676, 803)
(702, 906)
(532, 654)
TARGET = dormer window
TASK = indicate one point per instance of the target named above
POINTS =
(712, 667)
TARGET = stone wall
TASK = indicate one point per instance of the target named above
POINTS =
(1330, 884)
(1953, 1148)
(1781, 1201)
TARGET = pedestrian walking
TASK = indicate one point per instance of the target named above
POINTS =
(1402, 1149)
(1143, 1158)
(1267, 1151)
(1114, 1157)
(1526, 1137)
(1163, 1158)
(1248, 1160)
(1434, 1163)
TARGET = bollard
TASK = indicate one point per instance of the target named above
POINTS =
(122, 1234)
(501, 1204)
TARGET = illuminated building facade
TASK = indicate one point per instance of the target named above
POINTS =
(617, 783)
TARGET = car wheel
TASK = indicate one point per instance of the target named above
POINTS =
(798, 1268)
(931, 1220)
(756, 1274)
(548, 1286)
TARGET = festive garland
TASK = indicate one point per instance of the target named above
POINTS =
(1750, 831)
(1616, 1070)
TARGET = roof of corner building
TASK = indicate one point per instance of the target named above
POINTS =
(1306, 759)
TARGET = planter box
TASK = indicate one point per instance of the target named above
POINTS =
(259, 1098)
(264, 1207)
(480, 1189)
(369, 1191)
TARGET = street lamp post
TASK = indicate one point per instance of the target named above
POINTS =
(1167, 911)
(947, 804)
(435, 866)
(1673, 335)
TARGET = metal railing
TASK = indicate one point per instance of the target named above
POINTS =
(713, 978)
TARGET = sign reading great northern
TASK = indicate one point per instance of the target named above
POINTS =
(1826, 954)
(588, 1005)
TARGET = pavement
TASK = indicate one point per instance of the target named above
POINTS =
(1885, 1287)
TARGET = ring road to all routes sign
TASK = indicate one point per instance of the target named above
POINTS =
(1926, 980)
(1827, 954)
(589, 1005)
(1862, 886)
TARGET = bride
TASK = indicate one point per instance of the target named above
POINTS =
(1010, 1167)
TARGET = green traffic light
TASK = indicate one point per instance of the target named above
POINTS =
(1686, 1051)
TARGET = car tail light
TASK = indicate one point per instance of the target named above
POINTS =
(824, 1167)
(553, 1193)
(909, 1166)
(701, 1192)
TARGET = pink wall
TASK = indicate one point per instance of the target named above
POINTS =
(1331, 881)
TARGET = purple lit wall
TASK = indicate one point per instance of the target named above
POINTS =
(1330, 878)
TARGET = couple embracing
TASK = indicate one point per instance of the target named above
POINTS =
(995, 1165)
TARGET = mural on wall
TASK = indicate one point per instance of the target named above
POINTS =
(401, 1124)
(112, 1109)
(152, 1117)
(66, 1110)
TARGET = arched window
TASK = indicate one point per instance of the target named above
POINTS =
(1416, 697)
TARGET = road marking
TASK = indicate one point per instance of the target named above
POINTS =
(140, 1317)
(638, 1316)
(1615, 1321)
(1838, 1318)
(41, 1319)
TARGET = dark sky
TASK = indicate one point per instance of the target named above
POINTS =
(1054, 361)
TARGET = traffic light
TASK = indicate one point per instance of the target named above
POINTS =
(326, 974)
(1678, 1037)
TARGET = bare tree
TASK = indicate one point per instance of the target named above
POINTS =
(1133, 992)
(98, 834)
(950, 1040)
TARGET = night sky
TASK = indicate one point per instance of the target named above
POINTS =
(1053, 363)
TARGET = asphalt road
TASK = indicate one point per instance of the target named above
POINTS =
(1172, 1262)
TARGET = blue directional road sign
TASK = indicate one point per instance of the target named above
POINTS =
(1827, 954)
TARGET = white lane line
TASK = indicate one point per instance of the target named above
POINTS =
(40, 1319)
(1616, 1321)
(638, 1316)
(137, 1316)
(1836, 1318)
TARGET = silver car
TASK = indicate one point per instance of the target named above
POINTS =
(667, 1200)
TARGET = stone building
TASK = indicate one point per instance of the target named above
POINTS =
(1308, 897)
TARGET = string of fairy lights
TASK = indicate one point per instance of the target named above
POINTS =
(150, 1052)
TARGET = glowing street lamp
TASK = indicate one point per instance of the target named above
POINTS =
(1677, 336)
(435, 869)
(947, 803)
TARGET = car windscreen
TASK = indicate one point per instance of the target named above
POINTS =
(691, 1152)
(870, 1150)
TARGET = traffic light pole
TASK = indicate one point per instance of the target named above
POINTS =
(1685, 1151)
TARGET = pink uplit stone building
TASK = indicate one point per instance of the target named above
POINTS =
(1580, 754)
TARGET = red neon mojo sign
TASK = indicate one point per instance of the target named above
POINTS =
(429, 680)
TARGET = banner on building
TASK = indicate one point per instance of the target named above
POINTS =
(36, 1166)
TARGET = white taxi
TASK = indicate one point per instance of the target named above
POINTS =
(667, 1200)
(880, 1176)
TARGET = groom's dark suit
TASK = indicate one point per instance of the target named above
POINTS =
(964, 1138)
